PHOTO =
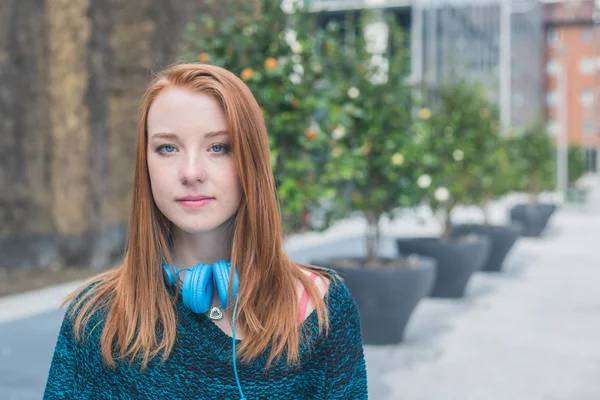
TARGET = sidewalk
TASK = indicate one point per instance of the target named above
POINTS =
(531, 333)
(528, 333)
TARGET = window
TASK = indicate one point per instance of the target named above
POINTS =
(553, 128)
(588, 127)
(552, 37)
(553, 67)
(586, 98)
(552, 98)
(587, 35)
(587, 66)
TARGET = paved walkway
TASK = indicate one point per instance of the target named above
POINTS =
(531, 333)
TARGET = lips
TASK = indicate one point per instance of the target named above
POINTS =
(194, 198)
(195, 201)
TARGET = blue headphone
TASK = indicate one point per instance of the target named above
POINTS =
(197, 292)
(197, 285)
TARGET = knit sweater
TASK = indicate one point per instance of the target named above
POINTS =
(331, 366)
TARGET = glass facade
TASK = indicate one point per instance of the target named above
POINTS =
(497, 43)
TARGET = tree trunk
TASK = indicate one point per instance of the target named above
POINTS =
(304, 225)
(447, 220)
(534, 188)
(485, 210)
(373, 236)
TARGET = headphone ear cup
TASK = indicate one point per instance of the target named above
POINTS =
(169, 275)
(221, 275)
(197, 288)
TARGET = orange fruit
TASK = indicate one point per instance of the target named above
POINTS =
(270, 63)
(247, 73)
(203, 57)
(310, 134)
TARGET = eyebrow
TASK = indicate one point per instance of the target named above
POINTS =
(170, 135)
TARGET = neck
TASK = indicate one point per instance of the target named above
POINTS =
(202, 248)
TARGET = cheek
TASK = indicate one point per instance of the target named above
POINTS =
(157, 176)
(152, 170)
(235, 181)
(228, 181)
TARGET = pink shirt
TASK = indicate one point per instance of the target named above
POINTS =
(304, 301)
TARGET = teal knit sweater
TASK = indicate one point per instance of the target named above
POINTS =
(200, 365)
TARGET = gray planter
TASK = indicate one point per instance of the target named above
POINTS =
(533, 218)
(502, 238)
(456, 261)
(386, 296)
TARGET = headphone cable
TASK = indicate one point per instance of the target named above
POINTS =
(233, 351)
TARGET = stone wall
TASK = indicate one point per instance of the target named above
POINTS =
(72, 73)
(25, 142)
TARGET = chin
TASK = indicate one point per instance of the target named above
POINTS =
(190, 226)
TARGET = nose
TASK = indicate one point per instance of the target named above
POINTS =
(193, 169)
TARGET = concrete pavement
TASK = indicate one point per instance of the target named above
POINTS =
(528, 333)
(531, 333)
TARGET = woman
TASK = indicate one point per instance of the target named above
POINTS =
(206, 303)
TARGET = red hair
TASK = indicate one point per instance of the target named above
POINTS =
(134, 294)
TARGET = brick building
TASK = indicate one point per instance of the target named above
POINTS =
(572, 71)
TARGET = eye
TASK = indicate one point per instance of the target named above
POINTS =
(165, 148)
(219, 148)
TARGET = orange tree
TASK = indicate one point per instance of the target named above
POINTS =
(276, 54)
(532, 152)
(495, 174)
(375, 138)
(459, 134)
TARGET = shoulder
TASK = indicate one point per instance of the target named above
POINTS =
(344, 320)
(322, 280)
(72, 328)
(339, 301)
(87, 306)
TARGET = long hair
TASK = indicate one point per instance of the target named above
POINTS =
(140, 318)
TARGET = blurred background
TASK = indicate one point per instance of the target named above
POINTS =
(442, 155)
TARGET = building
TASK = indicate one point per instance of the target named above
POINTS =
(498, 43)
(572, 79)
(495, 42)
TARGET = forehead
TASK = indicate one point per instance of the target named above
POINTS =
(183, 111)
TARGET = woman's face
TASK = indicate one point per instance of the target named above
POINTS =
(193, 173)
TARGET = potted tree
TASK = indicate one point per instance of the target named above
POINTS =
(532, 152)
(577, 168)
(376, 140)
(275, 54)
(451, 134)
(495, 178)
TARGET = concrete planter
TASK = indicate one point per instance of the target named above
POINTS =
(502, 238)
(456, 261)
(534, 218)
(386, 296)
